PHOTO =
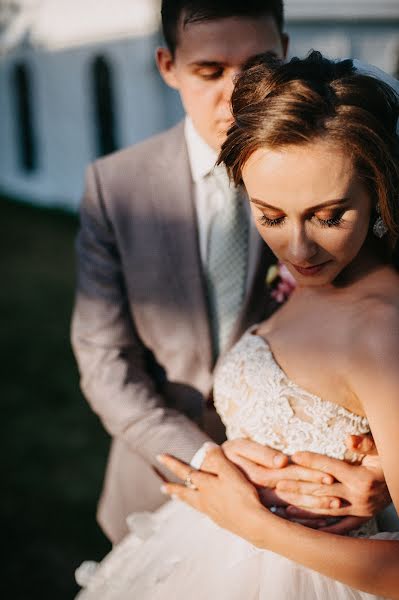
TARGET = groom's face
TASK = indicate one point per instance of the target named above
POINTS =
(208, 57)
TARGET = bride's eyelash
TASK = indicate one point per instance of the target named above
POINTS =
(333, 222)
(265, 221)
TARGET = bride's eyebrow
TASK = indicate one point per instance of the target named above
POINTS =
(328, 203)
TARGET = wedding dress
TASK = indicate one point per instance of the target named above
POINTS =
(177, 553)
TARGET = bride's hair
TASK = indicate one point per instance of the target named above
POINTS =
(276, 105)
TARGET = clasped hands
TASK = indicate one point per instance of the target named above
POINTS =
(311, 488)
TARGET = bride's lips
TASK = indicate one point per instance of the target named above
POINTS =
(309, 271)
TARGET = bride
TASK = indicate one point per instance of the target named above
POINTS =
(315, 145)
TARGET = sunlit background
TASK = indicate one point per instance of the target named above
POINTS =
(78, 80)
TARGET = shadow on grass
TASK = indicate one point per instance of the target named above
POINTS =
(54, 448)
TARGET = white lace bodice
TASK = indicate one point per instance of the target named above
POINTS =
(255, 399)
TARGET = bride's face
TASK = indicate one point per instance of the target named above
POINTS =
(310, 208)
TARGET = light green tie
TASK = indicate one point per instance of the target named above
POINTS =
(227, 258)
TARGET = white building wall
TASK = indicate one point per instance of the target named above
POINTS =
(343, 10)
(374, 44)
(139, 105)
(64, 117)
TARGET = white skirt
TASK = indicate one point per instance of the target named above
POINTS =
(177, 553)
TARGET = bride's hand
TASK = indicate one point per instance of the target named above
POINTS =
(221, 491)
(360, 489)
(265, 467)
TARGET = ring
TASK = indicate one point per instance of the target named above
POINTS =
(188, 482)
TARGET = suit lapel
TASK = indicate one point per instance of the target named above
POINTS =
(173, 203)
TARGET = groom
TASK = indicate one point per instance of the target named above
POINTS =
(161, 291)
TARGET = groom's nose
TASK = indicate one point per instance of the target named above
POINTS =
(229, 82)
(225, 94)
(228, 89)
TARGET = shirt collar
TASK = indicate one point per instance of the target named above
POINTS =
(201, 156)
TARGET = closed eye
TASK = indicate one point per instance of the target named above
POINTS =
(266, 222)
(332, 222)
(209, 74)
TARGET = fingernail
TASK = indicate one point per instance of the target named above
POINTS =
(278, 460)
(327, 480)
(160, 458)
(334, 504)
(164, 489)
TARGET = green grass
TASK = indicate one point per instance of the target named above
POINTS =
(53, 448)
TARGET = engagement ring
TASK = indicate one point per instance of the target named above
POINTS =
(188, 482)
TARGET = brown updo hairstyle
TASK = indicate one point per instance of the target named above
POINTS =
(276, 105)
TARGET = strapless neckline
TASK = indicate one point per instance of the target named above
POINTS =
(257, 400)
(265, 342)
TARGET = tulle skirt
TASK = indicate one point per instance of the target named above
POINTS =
(177, 553)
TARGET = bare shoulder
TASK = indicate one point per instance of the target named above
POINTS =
(375, 334)
(373, 374)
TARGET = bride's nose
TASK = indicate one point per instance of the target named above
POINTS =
(301, 247)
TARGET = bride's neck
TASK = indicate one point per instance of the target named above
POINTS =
(371, 258)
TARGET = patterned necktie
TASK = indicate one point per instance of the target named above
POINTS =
(227, 258)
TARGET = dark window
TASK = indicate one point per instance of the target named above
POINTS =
(104, 110)
(22, 87)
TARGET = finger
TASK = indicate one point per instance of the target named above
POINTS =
(184, 471)
(310, 489)
(361, 444)
(345, 525)
(296, 473)
(303, 488)
(176, 466)
(338, 468)
(269, 498)
(323, 505)
(180, 492)
(257, 453)
(256, 474)
(216, 463)
(313, 523)
(294, 512)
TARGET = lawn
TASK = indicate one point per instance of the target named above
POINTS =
(54, 448)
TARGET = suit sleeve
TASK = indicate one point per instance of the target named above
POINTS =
(110, 354)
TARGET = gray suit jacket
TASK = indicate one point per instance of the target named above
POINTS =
(140, 327)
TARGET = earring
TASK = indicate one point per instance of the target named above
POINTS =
(379, 227)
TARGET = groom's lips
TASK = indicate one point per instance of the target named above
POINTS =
(312, 270)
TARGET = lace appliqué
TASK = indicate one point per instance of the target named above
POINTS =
(256, 400)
